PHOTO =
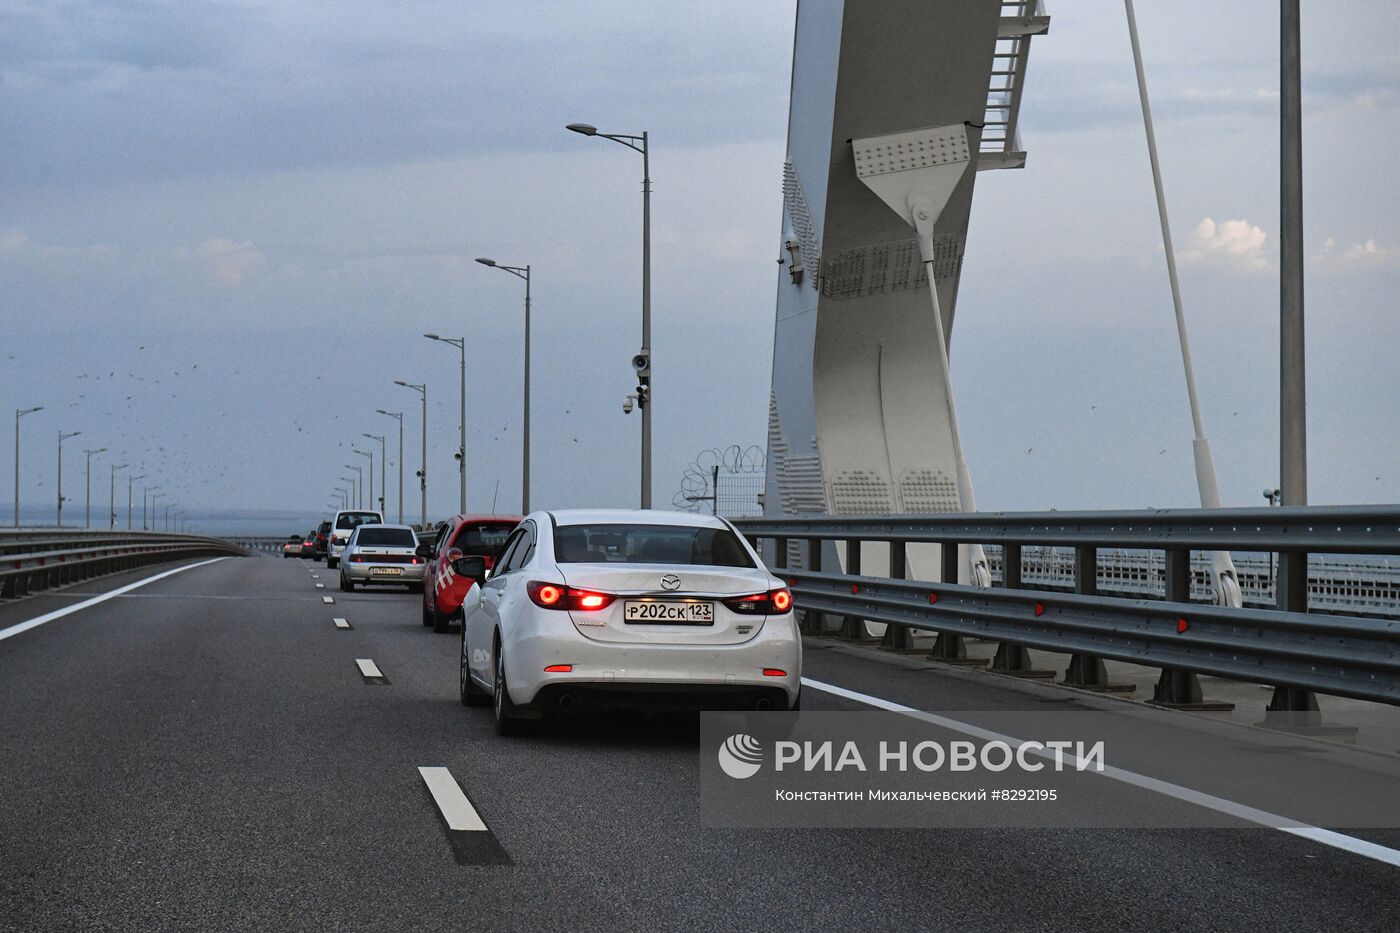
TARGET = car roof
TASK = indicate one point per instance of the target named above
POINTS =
(635, 517)
(380, 525)
(486, 518)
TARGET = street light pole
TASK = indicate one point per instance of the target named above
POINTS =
(130, 481)
(154, 492)
(370, 454)
(642, 363)
(461, 344)
(87, 507)
(421, 389)
(522, 272)
(61, 438)
(398, 415)
(383, 466)
(20, 413)
(112, 497)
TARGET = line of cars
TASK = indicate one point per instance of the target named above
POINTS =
(585, 609)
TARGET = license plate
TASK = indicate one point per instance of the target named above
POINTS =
(385, 571)
(657, 611)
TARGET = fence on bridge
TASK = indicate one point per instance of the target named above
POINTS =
(1292, 646)
(42, 558)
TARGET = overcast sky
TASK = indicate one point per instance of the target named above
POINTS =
(223, 227)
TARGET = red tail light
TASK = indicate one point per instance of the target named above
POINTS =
(773, 602)
(559, 669)
(774, 672)
(558, 596)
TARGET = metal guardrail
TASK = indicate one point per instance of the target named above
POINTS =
(39, 559)
(1297, 651)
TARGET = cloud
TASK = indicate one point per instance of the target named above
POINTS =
(1233, 245)
(225, 262)
(1357, 257)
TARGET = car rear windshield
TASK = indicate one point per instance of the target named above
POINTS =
(649, 544)
(482, 538)
(387, 537)
(355, 519)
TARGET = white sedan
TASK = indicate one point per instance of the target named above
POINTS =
(625, 608)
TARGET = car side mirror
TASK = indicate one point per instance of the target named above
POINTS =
(424, 550)
(473, 568)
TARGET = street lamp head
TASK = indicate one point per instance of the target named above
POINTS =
(583, 128)
(432, 336)
(21, 412)
(485, 262)
(400, 382)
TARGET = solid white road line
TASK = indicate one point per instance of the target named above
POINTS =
(341, 623)
(327, 600)
(456, 809)
(1219, 804)
(68, 610)
(368, 668)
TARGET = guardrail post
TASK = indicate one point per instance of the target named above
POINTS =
(948, 646)
(1011, 658)
(780, 553)
(898, 637)
(1177, 687)
(852, 627)
(1292, 589)
(812, 621)
(1086, 670)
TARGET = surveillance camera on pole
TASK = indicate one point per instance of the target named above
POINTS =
(628, 403)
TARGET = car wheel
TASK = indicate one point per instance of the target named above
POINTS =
(427, 614)
(331, 563)
(346, 585)
(504, 711)
(442, 622)
(467, 690)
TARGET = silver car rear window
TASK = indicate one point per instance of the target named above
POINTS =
(386, 537)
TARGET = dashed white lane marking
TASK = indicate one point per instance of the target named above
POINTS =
(320, 586)
(69, 610)
(315, 576)
(1219, 804)
(328, 600)
(456, 809)
(341, 623)
(369, 669)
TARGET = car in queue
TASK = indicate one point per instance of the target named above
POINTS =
(292, 546)
(460, 536)
(626, 609)
(308, 545)
(343, 525)
(322, 543)
(381, 555)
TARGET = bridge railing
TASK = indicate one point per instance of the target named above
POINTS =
(39, 559)
(1295, 650)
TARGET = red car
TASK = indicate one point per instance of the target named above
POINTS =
(460, 536)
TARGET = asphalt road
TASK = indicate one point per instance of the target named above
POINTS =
(204, 752)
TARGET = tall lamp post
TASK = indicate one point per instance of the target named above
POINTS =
(112, 496)
(87, 507)
(383, 466)
(370, 497)
(522, 272)
(398, 416)
(130, 482)
(461, 344)
(421, 389)
(642, 361)
(20, 413)
(359, 481)
(154, 491)
(62, 436)
(350, 490)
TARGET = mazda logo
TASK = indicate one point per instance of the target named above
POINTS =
(670, 582)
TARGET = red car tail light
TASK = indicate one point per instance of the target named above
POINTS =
(558, 596)
(559, 669)
(773, 602)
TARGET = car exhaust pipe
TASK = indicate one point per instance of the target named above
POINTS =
(764, 704)
(567, 702)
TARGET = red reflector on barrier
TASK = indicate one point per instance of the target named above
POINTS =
(1181, 626)
(932, 598)
(855, 588)
(1040, 609)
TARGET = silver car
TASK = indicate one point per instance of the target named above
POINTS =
(381, 555)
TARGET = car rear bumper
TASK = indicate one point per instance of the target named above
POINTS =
(363, 573)
(645, 675)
